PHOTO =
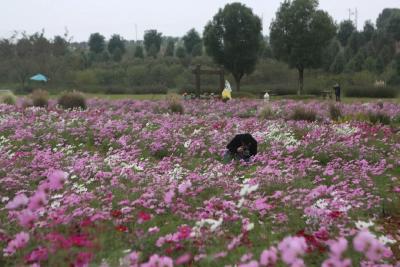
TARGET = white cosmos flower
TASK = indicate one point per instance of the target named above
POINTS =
(385, 240)
(247, 189)
(364, 225)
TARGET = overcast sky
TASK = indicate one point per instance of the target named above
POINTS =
(171, 17)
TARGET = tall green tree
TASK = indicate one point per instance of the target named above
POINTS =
(299, 34)
(368, 31)
(152, 42)
(169, 51)
(193, 43)
(97, 43)
(233, 39)
(139, 51)
(116, 47)
(346, 29)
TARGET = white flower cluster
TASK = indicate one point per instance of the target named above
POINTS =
(279, 132)
(214, 225)
(361, 225)
(345, 129)
(176, 173)
(79, 188)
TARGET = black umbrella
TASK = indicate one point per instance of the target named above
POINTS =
(240, 140)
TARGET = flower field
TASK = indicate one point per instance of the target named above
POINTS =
(128, 183)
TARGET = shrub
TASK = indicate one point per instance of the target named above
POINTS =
(335, 112)
(378, 117)
(70, 100)
(302, 114)
(9, 99)
(236, 94)
(174, 104)
(40, 98)
(374, 92)
(266, 113)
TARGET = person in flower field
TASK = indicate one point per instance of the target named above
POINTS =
(242, 147)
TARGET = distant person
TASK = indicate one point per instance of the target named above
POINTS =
(336, 87)
(242, 146)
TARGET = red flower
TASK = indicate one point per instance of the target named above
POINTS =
(184, 232)
(335, 214)
(144, 217)
(121, 228)
(80, 241)
(116, 213)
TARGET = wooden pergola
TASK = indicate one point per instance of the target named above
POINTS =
(197, 71)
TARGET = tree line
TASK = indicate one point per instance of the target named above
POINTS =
(302, 37)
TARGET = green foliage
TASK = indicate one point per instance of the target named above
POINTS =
(152, 42)
(9, 99)
(169, 51)
(192, 42)
(116, 47)
(174, 104)
(71, 100)
(180, 52)
(335, 112)
(303, 114)
(370, 91)
(139, 52)
(368, 31)
(378, 117)
(266, 113)
(236, 94)
(97, 43)
(346, 29)
(233, 39)
(338, 64)
(40, 98)
(299, 34)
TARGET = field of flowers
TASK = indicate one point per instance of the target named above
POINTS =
(128, 183)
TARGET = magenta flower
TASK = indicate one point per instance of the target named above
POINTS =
(27, 218)
(38, 200)
(20, 241)
(291, 248)
(363, 241)
(57, 179)
(269, 257)
(19, 200)
(37, 255)
(338, 247)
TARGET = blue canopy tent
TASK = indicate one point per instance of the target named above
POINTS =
(39, 77)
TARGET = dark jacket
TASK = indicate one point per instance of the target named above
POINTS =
(241, 139)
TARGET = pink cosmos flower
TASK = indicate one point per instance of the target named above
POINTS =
(157, 261)
(249, 264)
(336, 262)
(338, 247)
(134, 257)
(184, 186)
(184, 259)
(153, 230)
(269, 257)
(363, 240)
(169, 196)
(27, 218)
(83, 259)
(57, 179)
(291, 248)
(38, 200)
(37, 255)
(19, 200)
(21, 240)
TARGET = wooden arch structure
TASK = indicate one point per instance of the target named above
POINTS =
(198, 71)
